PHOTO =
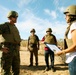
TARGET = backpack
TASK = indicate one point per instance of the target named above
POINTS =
(4, 28)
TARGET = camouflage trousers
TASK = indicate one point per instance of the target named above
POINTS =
(11, 61)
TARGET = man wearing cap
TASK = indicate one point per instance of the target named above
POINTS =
(33, 47)
(11, 45)
(50, 39)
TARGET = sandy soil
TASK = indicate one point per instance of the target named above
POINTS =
(61, 68)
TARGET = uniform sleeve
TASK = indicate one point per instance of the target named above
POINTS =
(28, 40)
(0, 46)
(43, 38)
(1, 28)
(55, 39)
(37, 38)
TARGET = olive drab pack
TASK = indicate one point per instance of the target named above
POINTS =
(6, 31)
(50, 39)
(4, 28)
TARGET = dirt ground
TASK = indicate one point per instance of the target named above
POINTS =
(61, 68)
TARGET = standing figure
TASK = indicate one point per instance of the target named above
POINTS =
(33, 47)
(11, 45)
(70, 39)
(50, 39)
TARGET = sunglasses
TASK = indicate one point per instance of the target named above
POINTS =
(48, 31)
(14, 16)
(32, 32)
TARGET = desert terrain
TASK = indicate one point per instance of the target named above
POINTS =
(60, 66)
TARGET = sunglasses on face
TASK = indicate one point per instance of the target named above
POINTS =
(48, 31)
(14, 16)
(32, 32)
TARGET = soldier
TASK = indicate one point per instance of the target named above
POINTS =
(50, 39)
(11, 45)
(70, 39)
(33, 47)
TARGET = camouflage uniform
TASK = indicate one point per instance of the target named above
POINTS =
(12, 41)
(33, 45)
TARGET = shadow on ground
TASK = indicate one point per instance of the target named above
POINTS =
(58, 67)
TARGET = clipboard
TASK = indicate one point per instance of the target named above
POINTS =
(52, 47)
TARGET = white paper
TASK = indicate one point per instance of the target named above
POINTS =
(53, 47)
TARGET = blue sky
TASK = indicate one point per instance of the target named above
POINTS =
(38, 14)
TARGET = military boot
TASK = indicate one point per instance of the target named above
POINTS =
(47, 69)
(30, 65)
(36, 64)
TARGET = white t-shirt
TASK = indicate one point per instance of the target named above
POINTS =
(73, 27)
(71, 55)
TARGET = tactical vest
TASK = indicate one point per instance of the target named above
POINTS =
(68, 42)
(33, 39)
(50, 39)
(10, 33)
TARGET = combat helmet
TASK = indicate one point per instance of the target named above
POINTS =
(49, 30)
(71, 10)
(32, 30)
(12, 13)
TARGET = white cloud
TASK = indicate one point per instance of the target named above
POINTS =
(26, 14)
(28, 20)
(39, 24)
(21, 3)
(56, 2)
(61, 9)
(3, 13)
(51, 13)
